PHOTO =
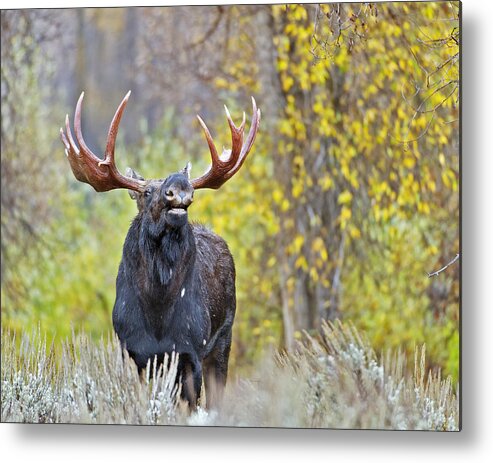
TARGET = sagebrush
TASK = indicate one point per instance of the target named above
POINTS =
(332, 381)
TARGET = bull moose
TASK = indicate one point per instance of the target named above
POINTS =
(175, 289)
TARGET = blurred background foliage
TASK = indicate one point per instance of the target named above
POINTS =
(349, 199)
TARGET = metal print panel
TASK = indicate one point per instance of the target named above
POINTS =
(288, 253)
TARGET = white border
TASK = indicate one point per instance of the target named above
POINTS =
(133, 444)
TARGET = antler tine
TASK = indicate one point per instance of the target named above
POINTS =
(113, 132)
(84, 149)
(102, 175)
(236, 137)
(210, 141)
(247, 146)
(222, 169)
(68, 139)
(71, 151)
(254, 128)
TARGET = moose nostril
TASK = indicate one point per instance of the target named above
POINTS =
(187, 199)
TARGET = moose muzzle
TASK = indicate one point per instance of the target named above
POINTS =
(177, 199)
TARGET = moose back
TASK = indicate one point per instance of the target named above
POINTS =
(175, 290)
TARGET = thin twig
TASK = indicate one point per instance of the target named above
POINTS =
(212, 29)
(443, 268)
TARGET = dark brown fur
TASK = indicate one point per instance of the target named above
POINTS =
(176, 291)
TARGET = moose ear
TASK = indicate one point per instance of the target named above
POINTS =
(186, 170)
(132, 174)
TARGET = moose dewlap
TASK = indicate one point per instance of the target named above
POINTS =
(175, 289)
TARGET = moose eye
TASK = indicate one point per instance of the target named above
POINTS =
(147, 193)
(169, 193)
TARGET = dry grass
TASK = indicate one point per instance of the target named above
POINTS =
(335, 381)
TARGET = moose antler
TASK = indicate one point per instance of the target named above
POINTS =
(225, 166)
(102, 175)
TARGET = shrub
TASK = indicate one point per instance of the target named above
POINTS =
(332, 381)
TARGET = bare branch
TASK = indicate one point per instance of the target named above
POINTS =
(212, 29)
(443, 268)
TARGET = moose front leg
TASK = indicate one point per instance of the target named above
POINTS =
(191, 373)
